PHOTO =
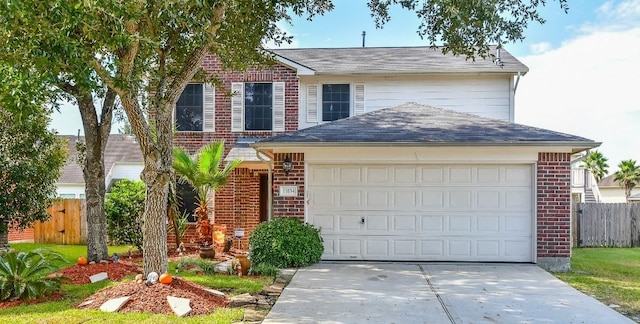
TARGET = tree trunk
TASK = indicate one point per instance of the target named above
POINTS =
(4, 235)
(96, 136)
(94, 177)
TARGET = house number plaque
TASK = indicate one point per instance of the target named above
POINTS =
(288, 191)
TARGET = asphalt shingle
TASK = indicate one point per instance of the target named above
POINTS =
(416, 124)
(373, 60)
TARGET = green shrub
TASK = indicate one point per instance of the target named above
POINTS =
(23, 274)
(264, 269)
(124, 207)
(285, 242)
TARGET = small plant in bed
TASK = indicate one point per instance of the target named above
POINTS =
(23, 275)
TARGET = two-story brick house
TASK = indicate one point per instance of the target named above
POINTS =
(412, 182)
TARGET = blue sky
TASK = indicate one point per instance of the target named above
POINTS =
(583, 66)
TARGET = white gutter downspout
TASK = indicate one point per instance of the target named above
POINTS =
(515, 87)
(269, 180)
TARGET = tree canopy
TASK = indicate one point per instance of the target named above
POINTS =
(596, 163)
(31, 156)
(92, 49)
(628, 176)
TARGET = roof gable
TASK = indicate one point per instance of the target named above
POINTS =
(413, 124)
(385, 60)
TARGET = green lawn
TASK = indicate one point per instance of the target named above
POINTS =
(63, 311)
(612, 275)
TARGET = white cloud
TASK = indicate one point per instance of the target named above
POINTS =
(540, 47)
(587, 87)
(285, 27)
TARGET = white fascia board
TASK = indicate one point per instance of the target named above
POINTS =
(300, 69)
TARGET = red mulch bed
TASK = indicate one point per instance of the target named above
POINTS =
(79, 274)
(153, 299)
(150, 299)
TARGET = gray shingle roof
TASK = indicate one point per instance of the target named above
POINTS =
(120, 149)
(243, 151)
(373, 60)
(412, 124)
(608, 181)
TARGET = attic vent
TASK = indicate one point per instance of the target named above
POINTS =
(498, 59)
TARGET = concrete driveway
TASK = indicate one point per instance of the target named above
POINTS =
(434, 293)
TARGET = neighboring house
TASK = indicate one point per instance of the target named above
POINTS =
(612, 192)
(412, 182)
(122, 160)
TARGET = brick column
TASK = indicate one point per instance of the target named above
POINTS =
(288, 206)
(554, 211)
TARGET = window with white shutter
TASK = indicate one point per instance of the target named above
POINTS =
(358, 99)
(195, 109)
(312, 103)
(209, 109)
(237, 107)
(278, 106)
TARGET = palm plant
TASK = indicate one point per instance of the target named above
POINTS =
(596, 163)
(23, 274)
(204, 173)
(628, 176)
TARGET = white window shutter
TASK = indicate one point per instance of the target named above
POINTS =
(237, 107)
(278, 106)
(312, 103)
(358, 99)
(209, 108)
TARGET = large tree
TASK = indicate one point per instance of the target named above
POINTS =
(628, 176)
(31, 156)
(138, 47)
(596, 163)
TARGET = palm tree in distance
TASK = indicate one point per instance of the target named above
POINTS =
(628, 176)
(204, 173)
(596, 163)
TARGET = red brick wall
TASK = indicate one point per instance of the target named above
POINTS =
(25, 235)
(277, 73)
(288, 206)
(237, 204)
(554, 205)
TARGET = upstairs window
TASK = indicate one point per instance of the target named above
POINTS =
(195, 109)
(258, 106)
(335, 101)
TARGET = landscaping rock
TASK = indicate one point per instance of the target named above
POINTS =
(251, 315)
(223, 267)
(88, 302)
(113, 305)
(242, 300)
(216, 292)
(99, 277)
(104, 261)
(180, 306)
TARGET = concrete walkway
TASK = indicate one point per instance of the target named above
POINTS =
(434, 293)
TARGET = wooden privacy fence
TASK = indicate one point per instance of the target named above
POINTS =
(608, 225)
(68, 224)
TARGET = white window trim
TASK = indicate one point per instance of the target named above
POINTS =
(278, 107)
(208, 110)
(353, 110)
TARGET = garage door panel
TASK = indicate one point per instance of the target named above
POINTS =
(424, 212)
(432, 223)
(378, 175)
(432, 175)
(460, 199)
(460, 175)
(405, 223)
(378, 199)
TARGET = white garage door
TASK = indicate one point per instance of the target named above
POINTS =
(423, 212)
